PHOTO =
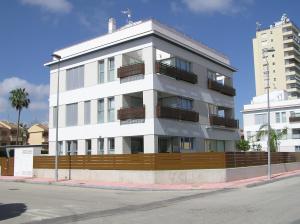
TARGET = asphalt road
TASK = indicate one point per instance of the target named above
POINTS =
(277, 202)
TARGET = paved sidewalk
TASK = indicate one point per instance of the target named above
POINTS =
(128, 186)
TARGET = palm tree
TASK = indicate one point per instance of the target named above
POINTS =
(274, 136)
(19, 99)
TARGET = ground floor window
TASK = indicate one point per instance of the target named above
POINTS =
(100, 145)
(88, 147)
(137, 145)
(72, 147)
(297, 148)
(175, 144)
(212, 145)
(111, 145)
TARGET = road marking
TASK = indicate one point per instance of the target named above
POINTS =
(40, 214)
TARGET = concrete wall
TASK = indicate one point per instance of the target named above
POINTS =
(168, 176)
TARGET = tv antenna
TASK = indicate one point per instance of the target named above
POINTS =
(128, 13)
(258, 26)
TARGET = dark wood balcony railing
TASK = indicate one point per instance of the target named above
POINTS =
(175, 73)
(176, 113)
(131, 70)
(227, 90)
(131, 113)
(222, 121)
(294, 119)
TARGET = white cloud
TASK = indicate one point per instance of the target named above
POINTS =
(38, 94)
(55, 6)
(216, 6)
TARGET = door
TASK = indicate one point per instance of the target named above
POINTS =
(7, 166)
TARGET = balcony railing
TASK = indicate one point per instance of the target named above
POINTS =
(222, 121)
(131, 70)
(295, 119)
(176, 73)
(131, 113)
(176, 113)
(227, 90)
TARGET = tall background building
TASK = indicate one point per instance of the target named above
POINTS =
(284, 62)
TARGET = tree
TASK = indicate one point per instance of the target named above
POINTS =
(19, 99)
(243, 145)
(275, 136)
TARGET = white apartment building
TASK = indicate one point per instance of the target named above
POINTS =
(284, 62)
(142, 88)
(284, 113)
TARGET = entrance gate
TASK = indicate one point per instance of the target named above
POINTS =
(7, 166)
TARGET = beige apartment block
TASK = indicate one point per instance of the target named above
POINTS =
(38, 134)
(284, 62)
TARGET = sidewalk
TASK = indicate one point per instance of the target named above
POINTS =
(154, 187)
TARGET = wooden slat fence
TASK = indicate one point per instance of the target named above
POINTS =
(164, 161)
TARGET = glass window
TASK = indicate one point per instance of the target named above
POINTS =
(100, 110)
(283, 117)
(261, 119)
(186, 143)
(60, 147)
(111, 144)
(54, 120)
(297, 148)
(72, 114)
(111, 109)
(101, 72)
(71, 147)
(87, 112)
(75, 78)
(111, 70)
(277, 115)
(100, 145)
(88, 147)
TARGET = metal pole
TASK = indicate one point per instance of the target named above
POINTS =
(57, 109)
(269, 125)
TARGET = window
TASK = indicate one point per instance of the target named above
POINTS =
(100, 145)
(75, 78)
(111, 109)
(277, 115)
(101, 71)
(297, 148)
(101, 111)
(72, 147)
(183, 64)
(212, 145)
(54, 117)
(261, 119)
(283, 117)
(87, 112)
(111, 70)
(72, 114)
(88, 147)
(186, 143)
(60, 147)
(111, 144)
(177, 102)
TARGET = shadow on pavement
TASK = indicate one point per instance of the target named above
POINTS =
(12, 210)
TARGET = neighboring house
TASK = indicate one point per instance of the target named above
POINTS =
(284, 62)
(142, 88)
(8, 133)
(38, 134)
(284, 113)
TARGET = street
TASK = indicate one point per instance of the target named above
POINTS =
(276, 202)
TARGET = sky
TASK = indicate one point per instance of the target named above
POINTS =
(30, 30)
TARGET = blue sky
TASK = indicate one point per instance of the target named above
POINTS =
(32, 29)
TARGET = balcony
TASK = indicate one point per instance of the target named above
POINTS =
(294, 119)
(131, 113)
(222, 121)
(226, 90)
(175, 73)
(131, 70)
(176, 113)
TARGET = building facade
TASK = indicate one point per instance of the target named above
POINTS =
(38, 135)
(8, 134)
(284, 113)
(284, 62)
(142, 88)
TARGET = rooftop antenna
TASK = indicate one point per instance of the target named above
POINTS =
(258, 26)
(128, 13)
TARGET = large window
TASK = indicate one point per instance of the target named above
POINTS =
(100, 111)
(186, 143)
(101, 72)
(111, 109)
(111, 69)
(261, 119)
(75, 78)
(280, 117)
(212, 145)
(87, 112)
(72, 114)
(178, 63)
(177, 102)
